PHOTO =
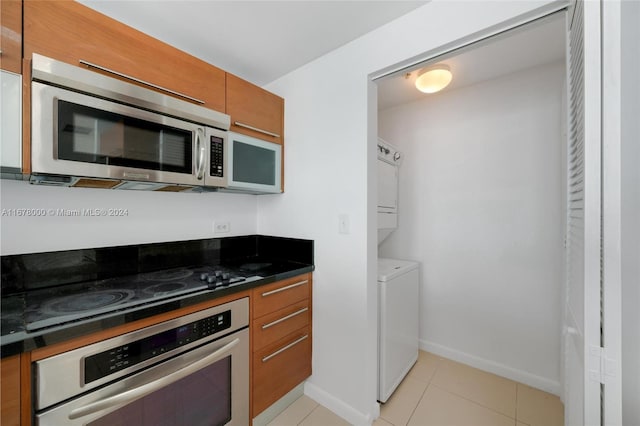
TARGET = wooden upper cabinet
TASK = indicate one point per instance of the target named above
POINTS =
(11, 38)
(254, 111)
(71, 32)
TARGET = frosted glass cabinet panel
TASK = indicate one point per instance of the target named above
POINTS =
(11, 122)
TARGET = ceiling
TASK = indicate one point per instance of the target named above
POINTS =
(258, 41)
(536, 44)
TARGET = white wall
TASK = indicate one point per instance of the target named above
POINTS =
(330, 170)
(630, 213)
(151, 217)
(481, 207)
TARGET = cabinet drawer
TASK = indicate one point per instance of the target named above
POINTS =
(275, 326)
(272, 297)
(279, 367)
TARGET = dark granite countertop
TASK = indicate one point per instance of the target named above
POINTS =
(272, 259)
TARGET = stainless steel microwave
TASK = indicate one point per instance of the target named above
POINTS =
(87, 127)
(253, 165)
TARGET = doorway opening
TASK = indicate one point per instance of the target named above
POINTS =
(482, 200)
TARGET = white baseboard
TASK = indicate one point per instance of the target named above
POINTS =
(337, 406)
(529, 379)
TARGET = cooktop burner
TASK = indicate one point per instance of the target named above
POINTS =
(74, 302)
(165, 288)
(170, 275)
(87, 301)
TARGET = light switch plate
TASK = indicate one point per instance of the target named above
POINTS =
(343, 223)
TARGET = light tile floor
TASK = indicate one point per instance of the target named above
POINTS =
(439, 392)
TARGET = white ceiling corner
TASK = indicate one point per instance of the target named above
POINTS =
(259, 41)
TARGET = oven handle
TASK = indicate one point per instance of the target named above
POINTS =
(136, 393)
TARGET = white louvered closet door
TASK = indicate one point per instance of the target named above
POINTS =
(582, 393)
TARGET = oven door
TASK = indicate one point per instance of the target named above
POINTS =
(208, 386)
(80, 135)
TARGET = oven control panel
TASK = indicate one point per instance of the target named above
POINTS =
(120, 357)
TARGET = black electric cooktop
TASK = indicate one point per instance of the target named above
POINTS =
(59, 305)
(41, 292)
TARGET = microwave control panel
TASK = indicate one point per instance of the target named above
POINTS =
(216, 156)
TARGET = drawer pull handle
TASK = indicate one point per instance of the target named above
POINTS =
(279, 351)
(256, 129)
(278, 321)
(137, 80)
(278, 290)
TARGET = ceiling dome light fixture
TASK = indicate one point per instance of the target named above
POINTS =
(433, 79)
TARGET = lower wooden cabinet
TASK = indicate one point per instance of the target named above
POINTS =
(281, 331)
(280, 367)
(10, 390)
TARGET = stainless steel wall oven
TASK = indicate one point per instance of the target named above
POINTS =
(193, 370)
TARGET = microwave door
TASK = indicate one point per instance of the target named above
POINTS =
(94, 137)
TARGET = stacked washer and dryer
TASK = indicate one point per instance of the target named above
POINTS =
(398, 285)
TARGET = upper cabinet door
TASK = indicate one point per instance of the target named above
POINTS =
(73, 33)
(11, 40)
(254, 111)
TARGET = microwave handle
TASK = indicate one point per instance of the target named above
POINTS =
(136, 393)
(200, 154)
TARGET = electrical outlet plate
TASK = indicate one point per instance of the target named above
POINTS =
(221, 227)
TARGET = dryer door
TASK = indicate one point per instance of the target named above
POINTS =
(387, 187)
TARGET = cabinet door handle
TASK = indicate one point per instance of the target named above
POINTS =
(256, 129)
(278, 290)
(137, 80)
(279, 351)
(278, 321)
